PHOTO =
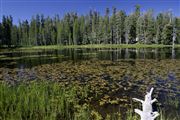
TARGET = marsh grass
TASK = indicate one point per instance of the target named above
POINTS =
(40, 100)
(173, 101)
(54, 101)
(99, 46)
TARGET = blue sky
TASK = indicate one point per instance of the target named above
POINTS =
(25, 9)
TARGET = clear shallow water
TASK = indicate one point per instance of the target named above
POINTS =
(119, 74)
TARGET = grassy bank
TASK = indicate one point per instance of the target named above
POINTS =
(100, 46)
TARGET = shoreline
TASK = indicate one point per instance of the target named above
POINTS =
(99, 46)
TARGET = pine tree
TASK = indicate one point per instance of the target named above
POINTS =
(81, 30)
(100, 31)
(107, 35)
(159, 28)
(140, 29)
(177, 29)
(42, 33)
(113, 27)
(6, 33)
(127, 29)
(60, 33)
(1, 34)
(15, 36)
(149, 27)
(120, 28)
(32, 34)
(75, 32)
(37, 30)
(167, 34)
(94, 27)
(137, 16)
(25, 33)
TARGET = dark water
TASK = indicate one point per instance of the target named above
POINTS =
(30, 58)
(120, 74)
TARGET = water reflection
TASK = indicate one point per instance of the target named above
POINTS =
(32, 58)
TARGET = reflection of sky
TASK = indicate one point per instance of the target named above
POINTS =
(25, 9)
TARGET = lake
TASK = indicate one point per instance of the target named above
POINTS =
(115, 75)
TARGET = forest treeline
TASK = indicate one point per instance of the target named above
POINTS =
(115, 27)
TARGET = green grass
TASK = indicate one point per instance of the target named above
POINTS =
(48, 101)
(41, 101)
(53, 101)
(100, 46)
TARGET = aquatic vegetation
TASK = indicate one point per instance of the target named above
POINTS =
(40, 100)
(173, 101)
(52, 100)
(105, 79)
(29, 57)
(99, 46)
(108, 82)
(131, 116)
(170, 116)
(46, 100)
